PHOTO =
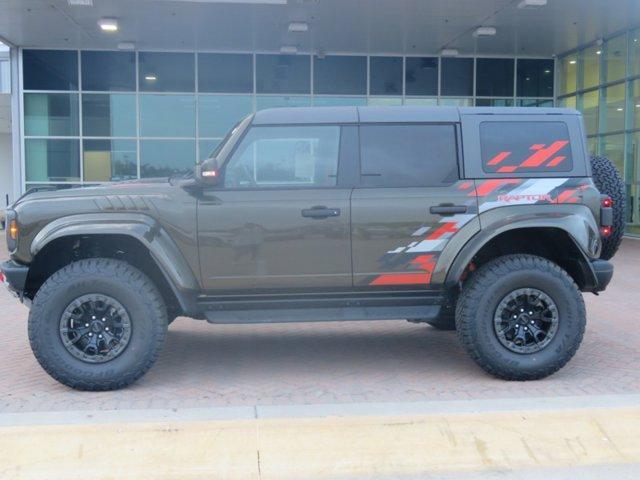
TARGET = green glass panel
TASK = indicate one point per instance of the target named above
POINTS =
(52, 160)
(105, 115)
(51, 114)
(327, 101)
(568, 81)
(590, 58)
(163, 158)
(269, 101)
(590, 111)
(615, 58)
(384, 101)
(217, 114)
(207, 147)
(456, 102)
(167, 115)
(109, 160)
(421, 101)
(613, 111)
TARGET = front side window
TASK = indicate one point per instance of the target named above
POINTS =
(408, 155)
(525, 147)
(280, 156)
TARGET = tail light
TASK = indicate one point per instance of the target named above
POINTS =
(606, 231)
(606, 215)
(607, 202)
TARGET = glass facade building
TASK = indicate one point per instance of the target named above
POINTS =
(602, 80)
(100, 116)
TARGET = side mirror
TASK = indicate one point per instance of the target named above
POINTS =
(208, 172)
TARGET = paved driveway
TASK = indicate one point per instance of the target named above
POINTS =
(210, 365)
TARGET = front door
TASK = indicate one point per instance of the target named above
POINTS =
(280, 220)
(409, 205)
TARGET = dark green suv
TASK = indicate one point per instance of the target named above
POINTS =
(482, 220)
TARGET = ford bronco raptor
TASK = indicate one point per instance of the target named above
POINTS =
(489, 221)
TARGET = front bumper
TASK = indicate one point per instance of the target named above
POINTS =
(15, 276)
(603, 271)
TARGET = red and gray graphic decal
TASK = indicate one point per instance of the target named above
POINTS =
(540, 157)
(414, 262)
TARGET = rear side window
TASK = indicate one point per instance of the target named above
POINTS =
(408, 155)
(525, 147)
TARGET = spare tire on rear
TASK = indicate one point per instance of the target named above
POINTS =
(609, 181)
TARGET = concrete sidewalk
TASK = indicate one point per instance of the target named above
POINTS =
(585, 437)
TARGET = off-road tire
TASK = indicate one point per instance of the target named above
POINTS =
(121, 281)
(609, 181)
(481, 296)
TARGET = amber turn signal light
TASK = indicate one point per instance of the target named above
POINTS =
(13, 230)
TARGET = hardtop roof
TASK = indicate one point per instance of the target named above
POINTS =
(408, 114)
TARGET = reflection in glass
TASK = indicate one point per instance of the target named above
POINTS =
(421, 101)
(421, 76)
(283, 74)
(52, 160)
(384, 101)
(568, 74)
(166, 72)
(457, 76)
(109, 160)
(456, 102)
(50, 69)
(537, 102)
(385, 75)
(614, 104)
(591, 66)
(51, 114)
(634, 47)
(612, 147)
(269, 101)
(535, 78)
(340, 75)
(615, 58)
(634, 107)
(633, 180)
(108, 71)
(494, 102)
(568, 102)
(218, 113)
(167, 116)
(590, 111)
(494, 77)
(164, 158)
(207, 147)
(108, 115)
(330, 101)
(225, 73)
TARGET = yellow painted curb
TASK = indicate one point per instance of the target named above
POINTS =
(321, 448)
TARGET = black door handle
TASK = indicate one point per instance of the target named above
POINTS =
(320, 211)
(448, 209)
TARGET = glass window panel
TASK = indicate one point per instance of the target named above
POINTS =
(218, 113)
(521, 140)
(634, 107)
(634, 46)
(612, 147)
(339, 101)
(384, 101)
(300, 156)
(568, 74)
(340, 75)
(207, 147)
(421, 76)
(567, 102)
(615, 58)
(592, 145)
(494, 77)
(456, 102)
(614, 103)
(268, 101)
(108, 115)
(166, 72)
(225, 73)
(536, 102)
(164, 158)
(283, 74)
(109, 160)
(110, 71)
(590, 111)
(428, 102)
(385, 76)
(535, 78)
(30, 187)
(591, 66)
(494, 102)
(52, 160)
(51, 114)
(408, 155)
(457, 76)
(633, 178)
(167, 116)
(50, 69)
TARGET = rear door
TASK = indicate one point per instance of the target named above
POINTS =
(409, 203)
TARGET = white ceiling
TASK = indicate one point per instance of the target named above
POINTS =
(390, 26)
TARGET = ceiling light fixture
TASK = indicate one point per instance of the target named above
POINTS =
(449, 52)
(572, 62)
(298, 26)
(547, 71)
(598, 52)
(108, 24)
(532, 3)
(619, 109)
(289, 49)
(150, 78)
(484, 32)
(126, 46)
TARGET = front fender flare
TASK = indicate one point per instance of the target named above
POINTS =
(576, 220)
(143, 228)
